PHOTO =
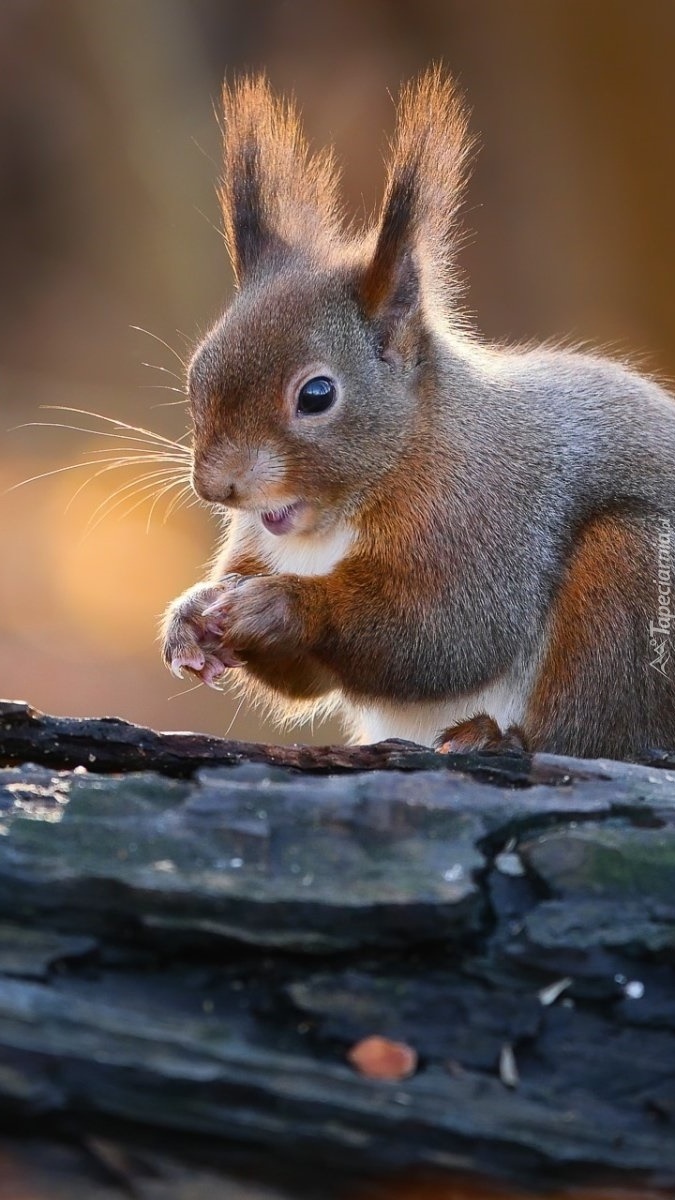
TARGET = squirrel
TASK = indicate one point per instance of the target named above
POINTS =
(464, 545)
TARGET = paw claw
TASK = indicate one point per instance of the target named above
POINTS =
(197, 638)
(213, 669)
(217, 606)
(230, 659)
(192, 661)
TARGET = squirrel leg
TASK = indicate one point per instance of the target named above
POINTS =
(605, 686)
(481, 733)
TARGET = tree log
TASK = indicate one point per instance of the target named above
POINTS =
(195, 933)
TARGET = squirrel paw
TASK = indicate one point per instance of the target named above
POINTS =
(257, 614)
(193, 637)
(481, 733)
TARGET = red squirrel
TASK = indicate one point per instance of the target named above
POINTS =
(460, 544)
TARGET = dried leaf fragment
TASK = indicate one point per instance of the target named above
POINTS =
(379, 1058)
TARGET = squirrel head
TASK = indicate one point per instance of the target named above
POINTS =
(305, 394)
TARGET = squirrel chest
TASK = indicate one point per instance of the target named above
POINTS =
(315, 554)
(371, 721)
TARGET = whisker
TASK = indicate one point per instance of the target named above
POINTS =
(177, 499)
(238, 710)
(158, 497)
(112, 466)
(164, 387)
(56, 471)
(135, 451)
(155, 501)
(119, 424)
(175, 503)
(208, 220)
(117, 437)
(186, 691)
(206, 154)
(154, 336)
(150, 478)
(118, 461)
(135, 446)
(166, 370)
(188, 501)
(110, 503)
(131, 454)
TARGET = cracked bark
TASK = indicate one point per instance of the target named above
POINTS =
(194, 933)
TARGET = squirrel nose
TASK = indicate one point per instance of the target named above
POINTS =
(221, 493)
(214, 490)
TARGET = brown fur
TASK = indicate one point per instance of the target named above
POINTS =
(596, 683)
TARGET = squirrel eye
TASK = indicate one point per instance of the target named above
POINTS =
(316, 396)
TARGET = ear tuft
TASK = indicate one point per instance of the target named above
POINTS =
(415, 236)
(276, 198)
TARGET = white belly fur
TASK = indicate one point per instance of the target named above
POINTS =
(504, 700)
(311, 555)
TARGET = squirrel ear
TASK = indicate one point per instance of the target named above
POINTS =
(276, 198)
(415, 238)
(391, 285)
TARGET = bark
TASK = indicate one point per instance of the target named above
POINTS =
(190, 950)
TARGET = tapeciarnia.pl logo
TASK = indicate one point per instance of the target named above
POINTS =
(660, 629)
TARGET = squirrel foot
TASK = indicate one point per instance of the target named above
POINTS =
(481, 733)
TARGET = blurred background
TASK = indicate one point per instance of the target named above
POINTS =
(108, 220)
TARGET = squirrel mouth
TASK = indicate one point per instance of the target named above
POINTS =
(281, 520)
